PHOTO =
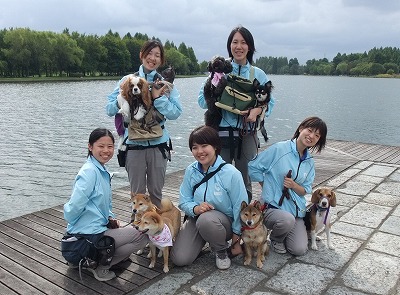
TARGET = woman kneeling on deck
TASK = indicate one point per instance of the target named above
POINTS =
(286, 173)
(94, 239)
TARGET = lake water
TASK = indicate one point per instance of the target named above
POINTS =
(45, 127)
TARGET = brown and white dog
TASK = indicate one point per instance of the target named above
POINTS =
(134, 98)
(254, 232)
(318, 216)
(162, 227)
(141, 203)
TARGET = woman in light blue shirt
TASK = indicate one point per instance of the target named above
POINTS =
(285, 211)
(213, 207)
(89, 210)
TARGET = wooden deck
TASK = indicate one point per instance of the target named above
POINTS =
(30, 259)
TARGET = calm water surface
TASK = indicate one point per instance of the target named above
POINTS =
(45, 127)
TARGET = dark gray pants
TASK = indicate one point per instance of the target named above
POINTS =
(146, 170)
(249, 148)
(212, 226)
(127, 241)
(288, 230)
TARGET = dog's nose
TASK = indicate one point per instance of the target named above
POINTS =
(324, 203)
(249, 222)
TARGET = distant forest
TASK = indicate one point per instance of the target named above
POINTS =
(28, 53)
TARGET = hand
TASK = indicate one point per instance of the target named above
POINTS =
(203, 207)
(253, 114)
(288, 182)
(113, 223)
(156, 93)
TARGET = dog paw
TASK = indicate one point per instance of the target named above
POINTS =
(330, 246)
(149, 255)
(140, 252)
(247, 261)
(260, 264)
(151, 265)
(318, 238)
(166, 269)
(314, 247)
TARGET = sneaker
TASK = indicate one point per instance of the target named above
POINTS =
(71, 265)
(278, 247)
(102, 274)
(222, 260)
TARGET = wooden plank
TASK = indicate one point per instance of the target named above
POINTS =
(51, 257)
(8, 260)
(12, 285)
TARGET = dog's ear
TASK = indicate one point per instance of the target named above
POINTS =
(257, 205)
(124, 87)
(146, 197)
(256, 83)
(146, 94)
(243, 205)
(315, 196)
(228, 66)
(332, 199)
(268, 86)
(209, 66)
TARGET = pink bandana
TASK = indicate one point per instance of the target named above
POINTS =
(163, 239)
(216, 78)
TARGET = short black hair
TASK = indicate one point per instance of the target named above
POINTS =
(317, 124)
(97, 134)
(205, 135)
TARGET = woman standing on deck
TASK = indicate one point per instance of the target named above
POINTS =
(146, 160)
(89, 212)
(241, 48)
(271, 168)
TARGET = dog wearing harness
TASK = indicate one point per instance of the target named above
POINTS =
(318, 216)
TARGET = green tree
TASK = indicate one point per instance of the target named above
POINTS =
(118, 56)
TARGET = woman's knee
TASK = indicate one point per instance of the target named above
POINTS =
(286, 224)
(179, 259)
(297, 249)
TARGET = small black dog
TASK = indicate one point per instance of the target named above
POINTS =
(213, 88)
(263, 96)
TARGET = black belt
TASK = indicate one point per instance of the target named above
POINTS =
(272, 207)
(164, 148)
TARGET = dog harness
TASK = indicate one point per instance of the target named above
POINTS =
(162, 239)
(320, 209)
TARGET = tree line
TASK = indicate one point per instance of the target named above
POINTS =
(374, 62)
(26, 53)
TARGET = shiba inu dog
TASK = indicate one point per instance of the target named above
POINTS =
(162, 227)
(254, 232)
(141, 203)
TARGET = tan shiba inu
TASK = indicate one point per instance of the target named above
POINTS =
(162, 227)
(254, 232)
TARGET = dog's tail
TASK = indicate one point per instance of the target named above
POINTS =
(166, 205)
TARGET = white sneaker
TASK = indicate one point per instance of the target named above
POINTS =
(102, 274)
(222, 260)
(278, 247)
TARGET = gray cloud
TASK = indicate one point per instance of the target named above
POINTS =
(304, 29)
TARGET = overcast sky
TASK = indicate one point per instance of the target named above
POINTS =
(304, 29)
